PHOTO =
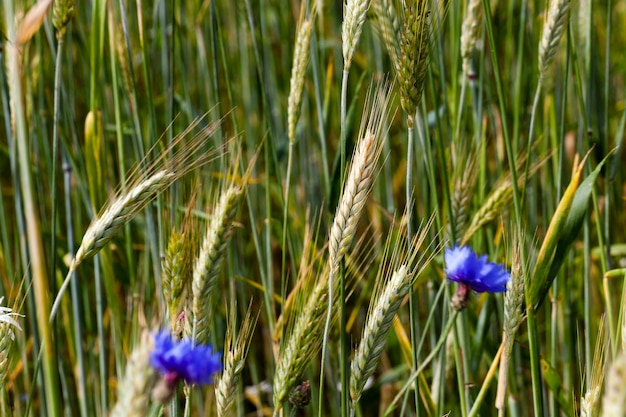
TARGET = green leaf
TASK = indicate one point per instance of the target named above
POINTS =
(574, 221)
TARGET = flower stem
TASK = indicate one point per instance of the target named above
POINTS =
(533, 342)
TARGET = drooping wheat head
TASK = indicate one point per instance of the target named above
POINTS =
(187, 153)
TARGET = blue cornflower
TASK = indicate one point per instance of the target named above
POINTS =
(473, 272)
(176, 360)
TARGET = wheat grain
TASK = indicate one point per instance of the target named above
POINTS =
(359, 180)
(379, 322)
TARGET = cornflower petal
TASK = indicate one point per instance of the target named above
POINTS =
(182, 360)
(465, 267)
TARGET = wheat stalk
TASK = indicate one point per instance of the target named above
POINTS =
(355, 12)
(208, 262)
(135, 388)
(235, 352)
(298, 71)
(553, 29)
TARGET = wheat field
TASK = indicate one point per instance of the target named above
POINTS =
(312, 208)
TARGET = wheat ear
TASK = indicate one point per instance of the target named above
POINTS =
(143, 188)
(614, 400)
(355, 12)
(378, 323)
(62, 13)
(235, 353)
(176, 276)
(413, 54)
(589, 404)
(207, 265)
(497, 199)
(470, 32)
(139, 380)
(7, 323)
(553, 29)
(298, 71)
(360, 178)
(464, 180)
(390, 28)
(404, 264)
(301, 343)
(513, 315)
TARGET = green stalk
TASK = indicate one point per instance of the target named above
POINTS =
(319, 111)
(344, 353)
(531, 132)
(413, 377)
(535, 362)
(413, 313)
(267, 284)
(33, 230)
(493, 370)
(82, 377)
(505, 128)
(283, 278)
